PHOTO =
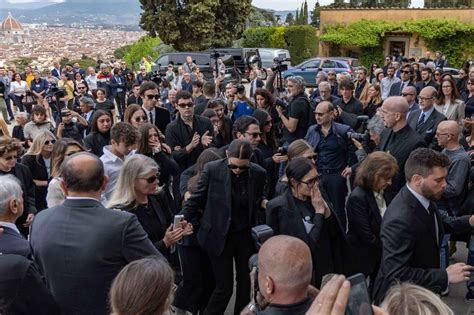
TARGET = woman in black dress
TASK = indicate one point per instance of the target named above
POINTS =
(99, 136)
(38, 161)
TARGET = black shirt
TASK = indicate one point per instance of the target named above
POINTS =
(299, 308)
(107, 105)
(74, 131)
(299, 108)
(331, 156)
(240, 202)
(149, 221)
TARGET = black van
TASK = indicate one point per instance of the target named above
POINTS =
(204, 61)
(243, 57)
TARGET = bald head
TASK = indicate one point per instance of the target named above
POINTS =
(409, 89)
(325, 106)
(396, 104)
(449, 127)
(287, 260)
(428, 91)
(83, 172)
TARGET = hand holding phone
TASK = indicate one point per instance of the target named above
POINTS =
(359, 300)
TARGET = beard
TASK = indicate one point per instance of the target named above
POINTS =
(430, 194)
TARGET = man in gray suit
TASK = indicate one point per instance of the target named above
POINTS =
(426, 119)
(80, 246)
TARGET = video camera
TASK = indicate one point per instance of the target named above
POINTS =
(156, 77)
(279, 65)
(361, 137)
(56, 91)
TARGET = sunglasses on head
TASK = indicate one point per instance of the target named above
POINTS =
(153, 96)
(235, 167)
(186, 105)
(48, 142)
(151, 179)
(140, 118)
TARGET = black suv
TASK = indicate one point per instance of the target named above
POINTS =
(204, 61)
(243, 57)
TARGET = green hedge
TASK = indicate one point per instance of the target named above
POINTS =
(300, 40)
(453, 38)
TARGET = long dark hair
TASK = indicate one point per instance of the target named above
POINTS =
(97, 114)
(269, 137)
(143, 144)
(297, 168)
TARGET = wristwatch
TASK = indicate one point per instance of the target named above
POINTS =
(253, 308)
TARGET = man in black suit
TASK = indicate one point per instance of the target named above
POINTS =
(228, 199)
(87, 104)
(22, 289)
(80, 246)
(11, 241)
(426, 119)
(134, 97)
(156, 115)
(399, 139)
(426, 80)
(412, 230)
(255, 83)
(405, 75)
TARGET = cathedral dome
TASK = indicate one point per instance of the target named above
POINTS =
(10, 24)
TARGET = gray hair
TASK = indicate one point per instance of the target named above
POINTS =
(324, 84)
(23, 114)
(376, 125)
(10, 188)
(322, 74)
(298, 81)
(134, 167)
(86, 100)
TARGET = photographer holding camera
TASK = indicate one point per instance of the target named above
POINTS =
(284, 272)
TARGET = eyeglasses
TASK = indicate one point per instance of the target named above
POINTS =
(311, 181)
(153, 96)
(151, 179)
(405, 71)
(72, 152)
(235, 167)
(406, 94)
(254, 135)
(186, 105)
(420, 98)
(48, 142)
(9, 158)
(141, 118)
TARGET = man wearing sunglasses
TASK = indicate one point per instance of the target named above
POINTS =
(405, 75)
(230, 192)
(188, 135)
(156, 115)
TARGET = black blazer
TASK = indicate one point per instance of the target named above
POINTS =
(363, 235)
(35, 164)
(22, 289)
(395, 88)
(399, 144)
(213, 194)
(162, 118)
(428, 130)
(422, 84)
(410, 247)
(282, 217)
(79, 248)
(11, 242)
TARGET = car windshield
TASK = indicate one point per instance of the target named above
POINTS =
(311, 64)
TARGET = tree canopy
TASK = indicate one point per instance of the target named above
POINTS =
(195, 24)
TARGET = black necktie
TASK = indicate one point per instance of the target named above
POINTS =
(151, 117)
(432, 211)
(420, 122)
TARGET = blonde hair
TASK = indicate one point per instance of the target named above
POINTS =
(134, 167)
(38, 142)
(408, 298)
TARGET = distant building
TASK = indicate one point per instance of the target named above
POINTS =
(12, 32)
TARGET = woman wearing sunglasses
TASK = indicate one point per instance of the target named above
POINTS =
(303, 212)
(135, 115)
(136, 192)
(38, 160)
(228, 198)
(10, 148)
(62, 149)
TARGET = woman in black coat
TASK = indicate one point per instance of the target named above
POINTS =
(365, 208)
(38, 161)
(303, 212)
(99, 137)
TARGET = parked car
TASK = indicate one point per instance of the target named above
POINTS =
(204, 61)
(243, 57)
(309, 68)
(452, 71)
(267, 55)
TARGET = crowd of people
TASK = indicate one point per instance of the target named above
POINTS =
(130, 193)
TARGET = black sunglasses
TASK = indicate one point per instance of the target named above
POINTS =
(81, 87)
(234, 167)
(254, 135)
(48, 142)
(186, 105)
(141, 118)
(151, 179)
(406, 72)
(153, 96)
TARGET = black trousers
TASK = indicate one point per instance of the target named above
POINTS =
(239, 247)
(194, 291)
(336, 188)
(120, 100)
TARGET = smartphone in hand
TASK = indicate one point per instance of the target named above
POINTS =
(359, 301)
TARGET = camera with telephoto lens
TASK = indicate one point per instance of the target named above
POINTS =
(156, 78)
(56, 91)
(361, 137)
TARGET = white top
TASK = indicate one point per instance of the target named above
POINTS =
(92, 82)
(18, 88)
(112, 166)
